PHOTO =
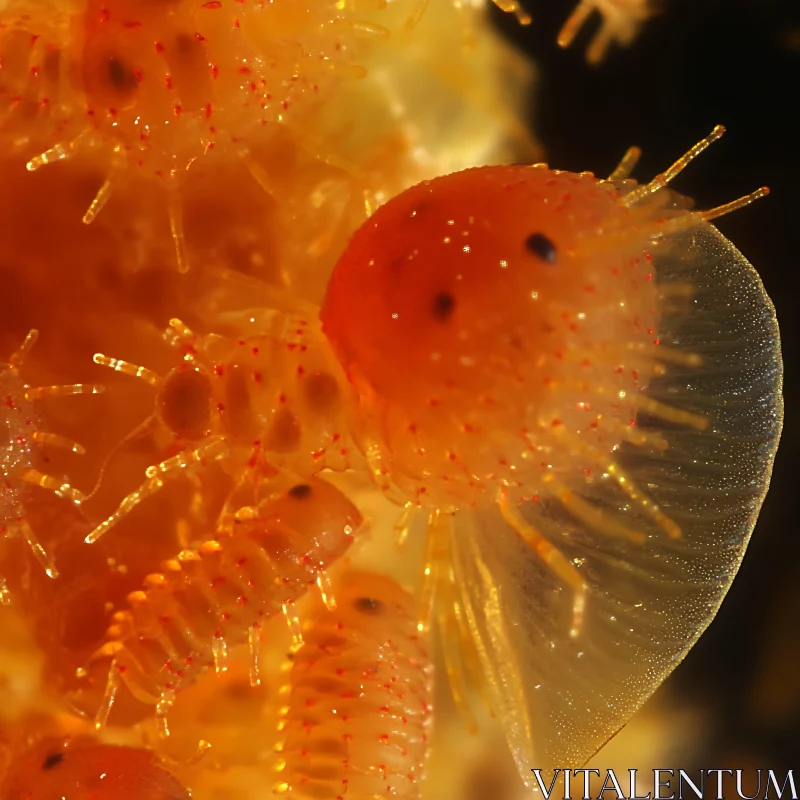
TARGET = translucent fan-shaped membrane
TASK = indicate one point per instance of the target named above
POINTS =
(561, 696)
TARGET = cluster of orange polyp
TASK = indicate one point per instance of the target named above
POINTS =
(241, 495)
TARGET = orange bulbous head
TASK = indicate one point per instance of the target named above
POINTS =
(473, 311)
(81, 769)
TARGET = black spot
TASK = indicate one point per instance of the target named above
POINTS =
(301, 491)
(53, 760)
(443, 305)
(368, 605)
(541, 246)
(120, 77)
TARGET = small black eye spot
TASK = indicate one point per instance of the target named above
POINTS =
(368, 605)
(301, 491)
(541, 246)
(53, 760)
(443, 305)
(121, 78)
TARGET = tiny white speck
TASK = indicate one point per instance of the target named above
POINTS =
(465, 248)
(534, 295)
(503, 263)
(394, 316)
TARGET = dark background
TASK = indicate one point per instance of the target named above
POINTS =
(699, 63)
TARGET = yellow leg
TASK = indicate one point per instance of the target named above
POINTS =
(213, 449)
(127, 368)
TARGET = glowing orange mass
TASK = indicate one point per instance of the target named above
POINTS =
(476, 305)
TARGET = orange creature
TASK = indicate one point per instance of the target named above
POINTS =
(158, 85)
(550, 367)
(79, 768)
(622, 20)
(220, 594)
(147, 89)
(357, 718)
(22, 440)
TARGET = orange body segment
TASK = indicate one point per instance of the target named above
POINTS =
(473, 310)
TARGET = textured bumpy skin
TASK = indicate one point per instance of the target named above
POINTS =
(470, 313)
(82, 769)
(358, 711)
(220, 594)
(581, 361)
(158, 85)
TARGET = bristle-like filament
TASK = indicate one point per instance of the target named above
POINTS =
(99, 201)
(20, 527)
(175, 211)
(593, 517)
(668, 413)
(43, 392)
(127, 368)
(59, 487)
(555, 560)
(626, 165)
(54, 440)
(663, 179)
(19, 356)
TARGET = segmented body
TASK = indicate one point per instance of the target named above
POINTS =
(276, 400)
(161, 84)
(220, 594)
(358, 711)
(82, 769)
